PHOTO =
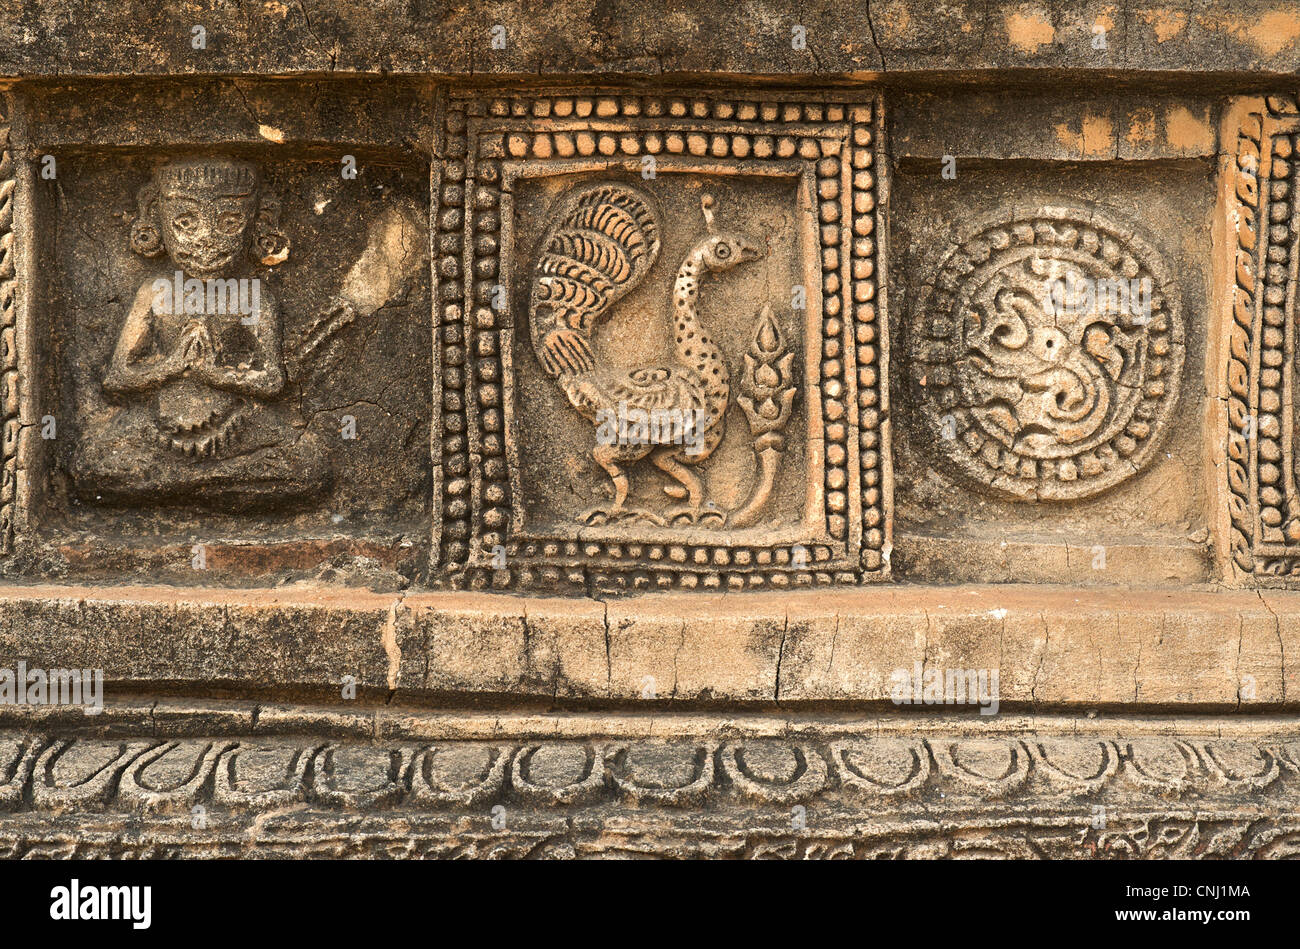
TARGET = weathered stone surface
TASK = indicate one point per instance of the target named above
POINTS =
(85, 37)
(1054, 647)
(610, 429)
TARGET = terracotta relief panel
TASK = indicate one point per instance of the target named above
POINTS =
(599, 340)
(662, 342)
(1052, 331)
(227, 367)
(218, 340)
(9, 374)
(1029, 388)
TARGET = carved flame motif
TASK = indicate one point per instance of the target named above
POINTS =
(769, 391)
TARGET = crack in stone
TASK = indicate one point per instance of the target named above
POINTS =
(681, 644)
(780, 655)
(1042, 658)
(871, 28)
(834, 637)
(1236, 669)
(1277, 629)
(609, 657)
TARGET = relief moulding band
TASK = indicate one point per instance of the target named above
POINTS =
(451, 786)
(1258, 261)
(11, 295)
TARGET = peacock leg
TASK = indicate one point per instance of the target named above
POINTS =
(606, 457)
(690, 487)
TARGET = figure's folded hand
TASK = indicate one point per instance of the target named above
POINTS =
(196, 346)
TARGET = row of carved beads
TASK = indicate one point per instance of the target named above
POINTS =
(456, 475)
(1277, 526)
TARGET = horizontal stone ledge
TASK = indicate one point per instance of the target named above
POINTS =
(1049, 646)
(840, 37)
(165, 718)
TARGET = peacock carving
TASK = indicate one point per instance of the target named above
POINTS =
(603, 243)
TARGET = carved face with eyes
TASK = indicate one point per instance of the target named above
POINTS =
(205, 234)
(206, 213)
(724, 251)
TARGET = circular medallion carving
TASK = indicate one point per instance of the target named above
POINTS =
(1047, 354)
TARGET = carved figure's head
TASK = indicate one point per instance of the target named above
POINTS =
(723, 250)
(205, 213)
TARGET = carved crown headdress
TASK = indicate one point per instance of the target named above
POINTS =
(217, 177)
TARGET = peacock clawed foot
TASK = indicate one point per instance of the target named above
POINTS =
(703, 515)
(615, 513)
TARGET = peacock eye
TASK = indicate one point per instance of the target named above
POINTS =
(723, 251)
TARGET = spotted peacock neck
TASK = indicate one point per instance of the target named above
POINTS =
(693, 345)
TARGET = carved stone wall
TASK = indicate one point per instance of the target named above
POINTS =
(1261, 464)
(397, 421)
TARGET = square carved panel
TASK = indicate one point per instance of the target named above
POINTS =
(222, 346)
(661, 342)
(1049, 348)
(308, 407)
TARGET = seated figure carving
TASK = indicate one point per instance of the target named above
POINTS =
(197, 381)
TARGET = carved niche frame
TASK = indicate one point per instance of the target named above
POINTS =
(1260, 220)
(487, 141)
(10, 333)
(26, 392)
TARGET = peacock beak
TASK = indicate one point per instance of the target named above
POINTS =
(751, 250)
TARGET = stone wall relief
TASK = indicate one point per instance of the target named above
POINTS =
(1047, 357)
(1258, 315)
(202, 398)
(1049, 414)
(667, 379)
(198, 373)
(9, 371)
(1023, 392)
(671, 412)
